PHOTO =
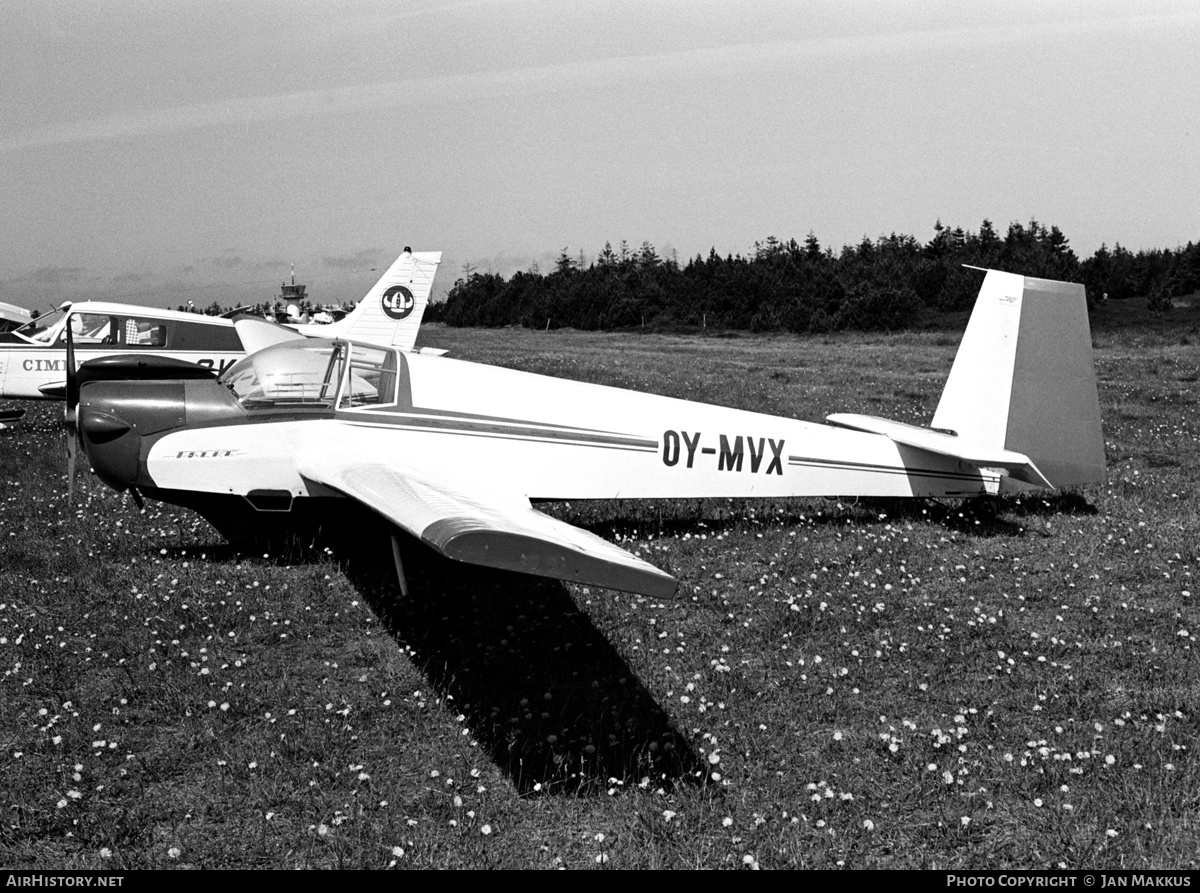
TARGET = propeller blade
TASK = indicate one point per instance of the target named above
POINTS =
(72, 375)
(70, 415)
(71, 450)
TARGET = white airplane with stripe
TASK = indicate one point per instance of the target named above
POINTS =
(454, 454)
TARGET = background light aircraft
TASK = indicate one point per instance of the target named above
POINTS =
(33, 357)
(452, 453)
(12, 316)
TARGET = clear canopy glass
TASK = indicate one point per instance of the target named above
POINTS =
(314, 373)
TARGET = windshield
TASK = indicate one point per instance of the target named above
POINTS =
(293, 374)
(43, 329)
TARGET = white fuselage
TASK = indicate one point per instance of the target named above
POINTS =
(498, 431)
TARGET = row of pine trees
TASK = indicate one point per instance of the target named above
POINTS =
(888, 283)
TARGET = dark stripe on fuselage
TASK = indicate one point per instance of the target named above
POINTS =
(499, 428)
(381, 413)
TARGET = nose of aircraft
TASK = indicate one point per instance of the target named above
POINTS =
(114, 417)
(119, 421)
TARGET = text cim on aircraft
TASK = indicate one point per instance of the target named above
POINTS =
(453, 453)
(33, 357)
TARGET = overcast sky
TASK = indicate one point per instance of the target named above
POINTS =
(159, 152)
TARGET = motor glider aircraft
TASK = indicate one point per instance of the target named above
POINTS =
(33, 357)
(454, 453)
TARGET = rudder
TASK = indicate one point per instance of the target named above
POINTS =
(1024, 380)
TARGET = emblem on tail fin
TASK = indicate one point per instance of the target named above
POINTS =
(398, 302)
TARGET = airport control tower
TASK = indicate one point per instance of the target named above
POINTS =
(291, 293)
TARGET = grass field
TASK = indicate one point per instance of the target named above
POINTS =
(894, 685)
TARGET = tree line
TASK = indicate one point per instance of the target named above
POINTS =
(891, 282)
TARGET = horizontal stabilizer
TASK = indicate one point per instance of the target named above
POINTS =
(1016, 465)
(503, 534)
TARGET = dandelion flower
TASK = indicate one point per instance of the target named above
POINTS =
(485, 830)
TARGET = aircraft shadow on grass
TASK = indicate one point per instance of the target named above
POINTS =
(998, 516)
(543, 690)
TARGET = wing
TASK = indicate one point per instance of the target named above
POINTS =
(257, 333)
(501, 533)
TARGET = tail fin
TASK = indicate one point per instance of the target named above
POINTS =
(1023, 379)
(390, 313)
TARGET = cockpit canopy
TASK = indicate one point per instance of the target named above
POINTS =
(315, 373)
